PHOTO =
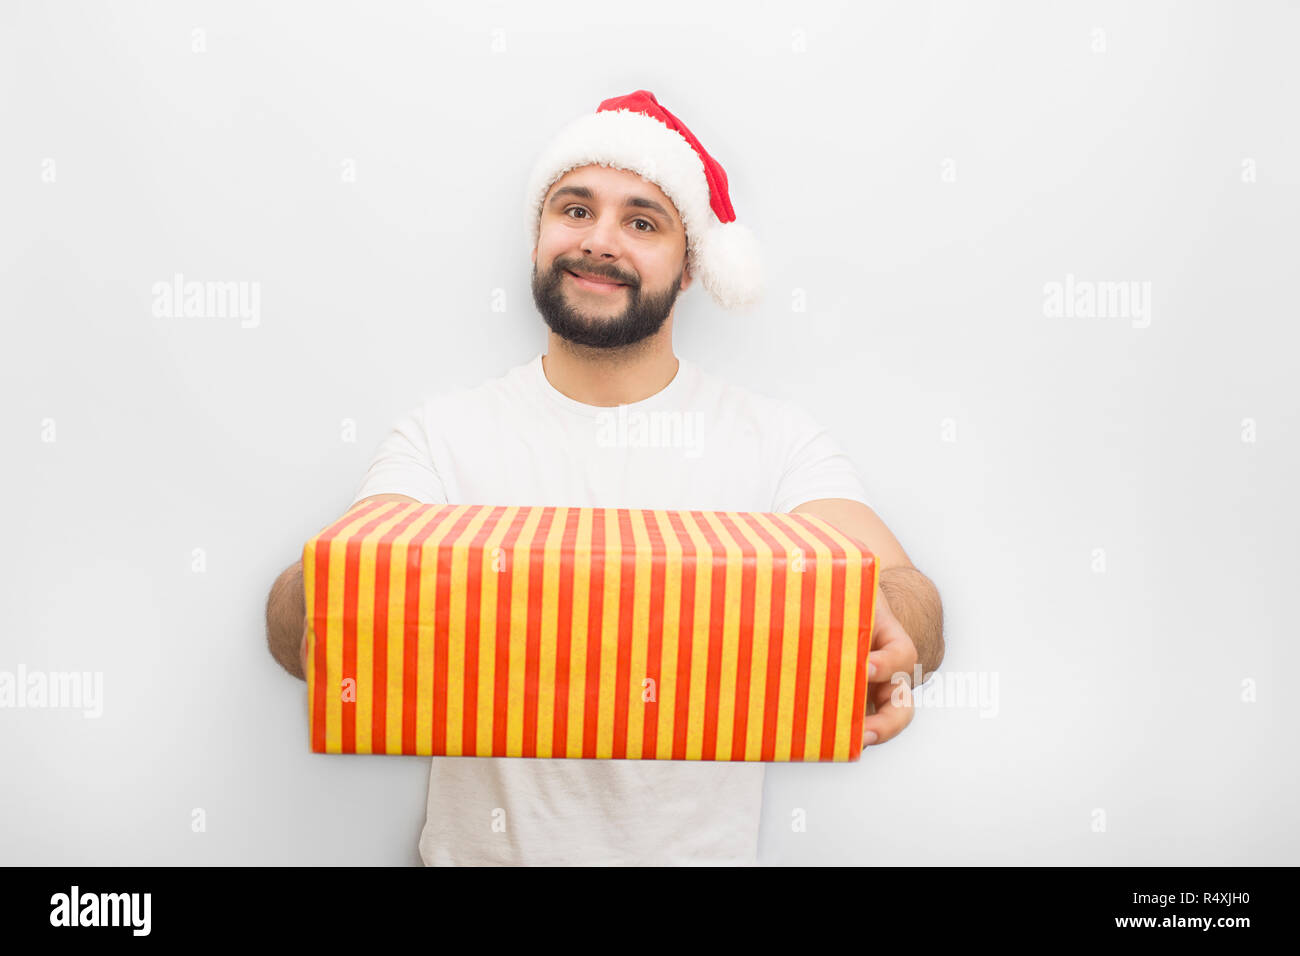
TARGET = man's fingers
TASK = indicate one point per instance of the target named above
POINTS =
(891, 647)
(891, 656)
(893, 712)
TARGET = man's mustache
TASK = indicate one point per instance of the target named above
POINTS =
(594, 273)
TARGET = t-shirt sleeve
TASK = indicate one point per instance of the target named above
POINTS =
(815, 465)
(403, 464)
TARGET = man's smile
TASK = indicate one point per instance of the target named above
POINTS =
(594, 284)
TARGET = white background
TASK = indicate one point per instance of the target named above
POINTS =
(917, 173)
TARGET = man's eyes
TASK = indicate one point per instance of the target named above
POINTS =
(582, 210)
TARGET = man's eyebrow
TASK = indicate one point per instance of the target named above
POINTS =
(639, 202)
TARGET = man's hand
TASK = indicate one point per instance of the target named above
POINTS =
(889, 702)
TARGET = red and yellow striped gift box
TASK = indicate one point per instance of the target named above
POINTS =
(474, 630)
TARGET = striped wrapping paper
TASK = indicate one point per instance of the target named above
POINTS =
(474, 630)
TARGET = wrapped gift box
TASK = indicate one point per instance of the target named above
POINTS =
(477, 630)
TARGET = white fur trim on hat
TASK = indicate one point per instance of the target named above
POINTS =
(730, 264)
(724, 256)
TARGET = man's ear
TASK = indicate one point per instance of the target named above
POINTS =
(687, 278)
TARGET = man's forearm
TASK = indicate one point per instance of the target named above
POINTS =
(286, 610)
(915, 602)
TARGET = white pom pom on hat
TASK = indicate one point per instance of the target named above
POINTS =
(635, 133)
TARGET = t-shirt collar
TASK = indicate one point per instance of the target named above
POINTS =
(669, 393)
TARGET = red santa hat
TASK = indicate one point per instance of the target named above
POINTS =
(635, 133)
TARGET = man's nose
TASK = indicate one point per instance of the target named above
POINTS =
(602, 239)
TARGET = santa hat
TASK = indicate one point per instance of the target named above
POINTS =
(635, 133)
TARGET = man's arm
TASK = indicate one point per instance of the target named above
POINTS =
(286, 610)
(911, 595)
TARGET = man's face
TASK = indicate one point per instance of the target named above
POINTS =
(612, 225)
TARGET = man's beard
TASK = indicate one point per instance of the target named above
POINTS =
(642, 317)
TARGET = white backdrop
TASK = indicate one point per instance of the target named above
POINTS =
(1105, 501)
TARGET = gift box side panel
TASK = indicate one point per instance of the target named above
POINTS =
(555, 659)
(333, 612)
(858, 628)
(400, 680)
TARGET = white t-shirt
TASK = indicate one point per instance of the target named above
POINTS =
(699, 443)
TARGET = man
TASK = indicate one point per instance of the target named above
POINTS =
(626, 210)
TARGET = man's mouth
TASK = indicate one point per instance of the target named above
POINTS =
(591, 282)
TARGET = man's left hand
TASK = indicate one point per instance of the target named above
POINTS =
(889, 702)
